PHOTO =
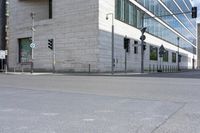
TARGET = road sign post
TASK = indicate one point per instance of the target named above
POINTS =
(2, 57)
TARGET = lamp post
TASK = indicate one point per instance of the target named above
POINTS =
(6, 31)
(112, 57)
(33, 39)
(178, 65)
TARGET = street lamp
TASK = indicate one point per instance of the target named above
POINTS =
(178, 65)
(112, 57)
(33, 38)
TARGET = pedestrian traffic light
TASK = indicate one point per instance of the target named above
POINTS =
(50, 44)
(126, 44)
(194, 12)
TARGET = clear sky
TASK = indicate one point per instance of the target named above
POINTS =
(197, 3)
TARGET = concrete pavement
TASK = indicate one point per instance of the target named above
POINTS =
(156, 103)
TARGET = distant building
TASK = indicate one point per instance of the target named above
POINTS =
(82, 34)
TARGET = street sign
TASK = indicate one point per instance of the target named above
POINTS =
(32, 45)
(162, 48)
(2, 54)
(6, 52)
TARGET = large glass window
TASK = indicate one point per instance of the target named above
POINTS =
(24, 50)
(120, 9)
(173, 57)
(153, 53)
(132, 15)
(127, 12)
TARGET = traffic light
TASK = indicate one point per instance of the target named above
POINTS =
(194, 12)
(126, 44)
(50, 44)
(143, 37)
(144, 47)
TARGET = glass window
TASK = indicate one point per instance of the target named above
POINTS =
(24, 50)
(120, 4)
(132, 15)
(139, 18)
(174, 57)
(165, 56)
(153, 53)
(131, 20)
(146, 4)
(126, 6)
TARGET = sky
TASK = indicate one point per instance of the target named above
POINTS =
(197, 3)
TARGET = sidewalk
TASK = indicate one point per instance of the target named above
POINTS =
(98, 74)
(75, 74)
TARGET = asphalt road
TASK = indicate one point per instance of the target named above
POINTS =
(154, 103)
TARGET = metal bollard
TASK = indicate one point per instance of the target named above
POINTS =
(89, 68)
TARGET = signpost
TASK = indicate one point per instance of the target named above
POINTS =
(2, 57)
(2, 54)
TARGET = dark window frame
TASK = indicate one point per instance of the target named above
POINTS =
(166, 56)
(20, 50)
(153, 53)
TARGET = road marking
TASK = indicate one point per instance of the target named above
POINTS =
(50, 114)
(88, 120)
(6, 110)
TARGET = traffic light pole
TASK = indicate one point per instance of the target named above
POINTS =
(33, 39)
(126, 48)
(112, 49)
(54, 56)
(178, 65)
(142, 56)
(125, 61)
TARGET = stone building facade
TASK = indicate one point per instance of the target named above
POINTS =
(82, 36)
(2, 24)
